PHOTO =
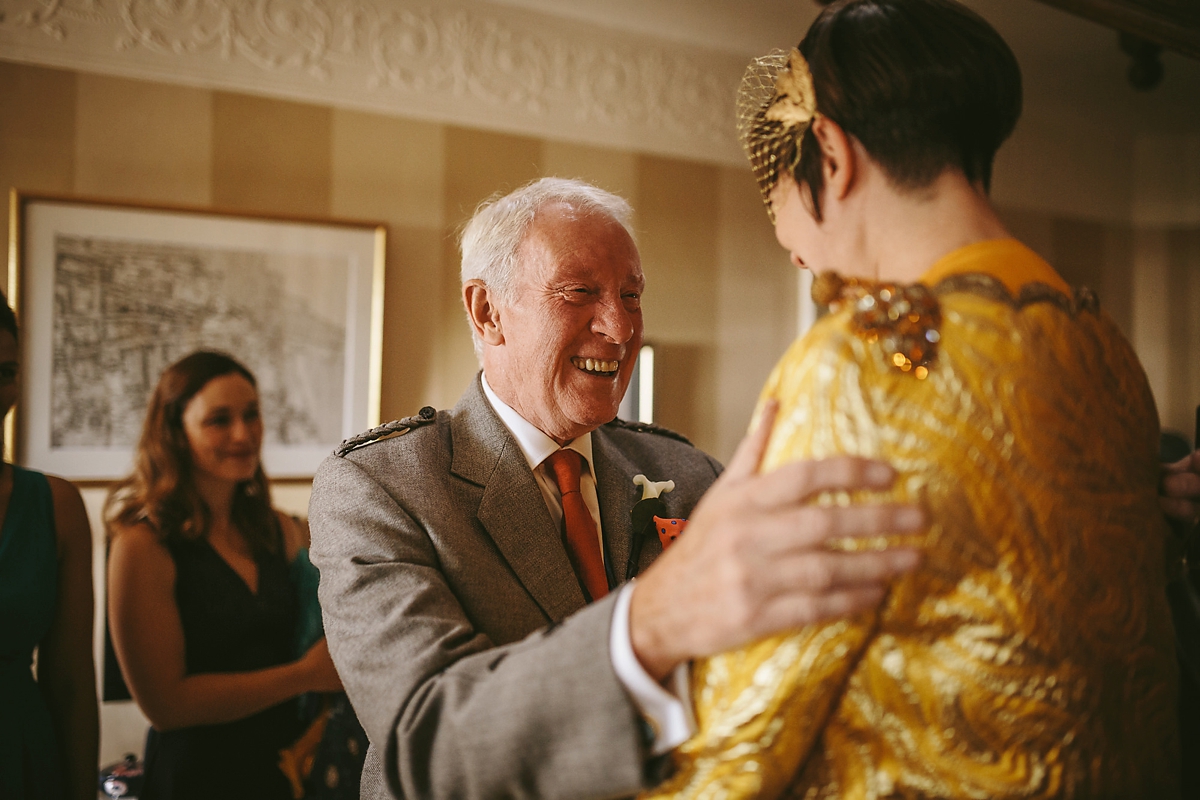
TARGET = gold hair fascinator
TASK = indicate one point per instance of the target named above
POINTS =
(776, 104)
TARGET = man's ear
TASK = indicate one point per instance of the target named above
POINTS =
(839, 161)
(483, 312)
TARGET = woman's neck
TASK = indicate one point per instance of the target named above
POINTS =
(218, 495)
(904, 233)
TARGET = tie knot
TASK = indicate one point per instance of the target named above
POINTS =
(566, 465)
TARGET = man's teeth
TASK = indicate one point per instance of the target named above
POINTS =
(596, 365)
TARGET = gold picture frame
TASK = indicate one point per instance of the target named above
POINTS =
(107, 293)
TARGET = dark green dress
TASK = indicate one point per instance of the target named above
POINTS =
(30, 763)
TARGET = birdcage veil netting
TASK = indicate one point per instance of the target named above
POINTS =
(769, 144)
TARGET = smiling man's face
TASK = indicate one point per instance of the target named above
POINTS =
(572, 328)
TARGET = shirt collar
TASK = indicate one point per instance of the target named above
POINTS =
(535, 445)
(1008, 260)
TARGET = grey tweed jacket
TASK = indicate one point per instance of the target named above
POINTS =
(456, 621)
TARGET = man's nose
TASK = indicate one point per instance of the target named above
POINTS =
(613, 321)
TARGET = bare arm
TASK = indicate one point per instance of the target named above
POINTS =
(66, 671)
(754, 561)
(149, 642)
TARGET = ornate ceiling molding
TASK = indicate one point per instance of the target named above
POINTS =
(468, 64)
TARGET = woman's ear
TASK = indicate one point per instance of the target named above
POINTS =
(839, 161)
(483, 312)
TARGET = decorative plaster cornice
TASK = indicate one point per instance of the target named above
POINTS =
(461, 63)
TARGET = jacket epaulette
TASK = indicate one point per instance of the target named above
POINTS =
(650, 427)
(388, 430)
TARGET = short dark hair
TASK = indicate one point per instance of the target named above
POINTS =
(8, 320)
(924, 85)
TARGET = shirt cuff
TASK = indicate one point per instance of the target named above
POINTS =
(667, 711)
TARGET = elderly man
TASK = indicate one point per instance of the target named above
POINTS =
(473, 561)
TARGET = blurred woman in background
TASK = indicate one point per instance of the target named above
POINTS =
(49, 736)
(202, 612)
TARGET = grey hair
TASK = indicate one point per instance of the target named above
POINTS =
(492, 238)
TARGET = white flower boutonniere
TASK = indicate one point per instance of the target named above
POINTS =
(651, 489)
(643, 514)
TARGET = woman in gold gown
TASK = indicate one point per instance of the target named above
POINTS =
(1031, 656)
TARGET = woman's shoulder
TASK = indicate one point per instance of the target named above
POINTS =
(70, 515)
(294, 530)
(62, 490)
(138, 540)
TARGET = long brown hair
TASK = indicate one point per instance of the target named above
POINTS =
(161, 492)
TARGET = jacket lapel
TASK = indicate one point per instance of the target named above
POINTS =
(617, 494)
(512, 509)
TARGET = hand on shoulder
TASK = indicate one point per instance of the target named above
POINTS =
(754, 561)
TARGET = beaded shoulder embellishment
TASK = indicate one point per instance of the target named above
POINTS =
(903, 319)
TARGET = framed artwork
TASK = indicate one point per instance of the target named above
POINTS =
(108, 294)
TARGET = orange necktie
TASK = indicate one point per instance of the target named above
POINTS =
(583, 545)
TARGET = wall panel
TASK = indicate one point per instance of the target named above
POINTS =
(143, 141)
(612, 170)
(678, 221)
(37, 134)
(757, 306)
(271, 156)
(478, 164)
(390, 170)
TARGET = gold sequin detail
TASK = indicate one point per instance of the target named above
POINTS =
(902, 319)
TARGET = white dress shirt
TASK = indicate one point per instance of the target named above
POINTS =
(668, 711)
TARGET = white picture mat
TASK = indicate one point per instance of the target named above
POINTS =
(45, 220)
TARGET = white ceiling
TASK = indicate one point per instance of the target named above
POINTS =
(1067, 61)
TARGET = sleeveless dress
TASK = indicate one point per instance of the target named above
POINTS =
(29, 755)
(227, 628)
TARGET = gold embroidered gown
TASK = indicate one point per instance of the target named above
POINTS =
(1031, 655)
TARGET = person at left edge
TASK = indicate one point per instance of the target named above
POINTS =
(49, 732)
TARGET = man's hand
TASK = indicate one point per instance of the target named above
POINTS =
(1180, 489)
(754, 559)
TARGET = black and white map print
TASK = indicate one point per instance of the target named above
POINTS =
(124, 310)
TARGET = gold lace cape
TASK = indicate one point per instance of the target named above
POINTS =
(1031, 656)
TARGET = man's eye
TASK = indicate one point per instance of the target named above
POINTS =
(217, 421)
